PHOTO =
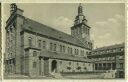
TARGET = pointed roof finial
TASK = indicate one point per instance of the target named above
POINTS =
(80, 9)
(13, 7)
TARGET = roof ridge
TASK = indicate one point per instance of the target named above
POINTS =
(110, 46)
(46, 25)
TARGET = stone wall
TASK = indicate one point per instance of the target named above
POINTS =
(35, 39)
(44, 66)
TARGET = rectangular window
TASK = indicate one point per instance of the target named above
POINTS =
(69, 68)
(71, 50)
(121, 65)
(60, 62)
(77, 63)
(69, 63)
(34, 53)
(68, 50)
(44, 44)
(34, 64)
(82, 29)
(39, 43)
(51, 46)
(63, 48)
(60, 48)
(86, 31)
(54, 47)
(81, 52)
(78, 30)
(77, 51)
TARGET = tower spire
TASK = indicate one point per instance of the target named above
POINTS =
(80, 18)
(13, 7)
(15, 10)
(80, 9)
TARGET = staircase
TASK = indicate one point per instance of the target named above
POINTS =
(56, 75)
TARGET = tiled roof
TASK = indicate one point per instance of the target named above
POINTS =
(110, 47)
(34, 26)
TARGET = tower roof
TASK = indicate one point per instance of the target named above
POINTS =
(13, 7)
(80, 18)
(80, 9)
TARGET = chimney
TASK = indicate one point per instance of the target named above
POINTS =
(15, 10)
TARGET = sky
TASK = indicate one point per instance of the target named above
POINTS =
(107, 20)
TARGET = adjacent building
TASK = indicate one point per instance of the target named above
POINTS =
(109, 58)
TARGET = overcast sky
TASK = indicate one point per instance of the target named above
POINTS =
(105, 19)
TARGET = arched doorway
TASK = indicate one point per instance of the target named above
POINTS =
(54, 66)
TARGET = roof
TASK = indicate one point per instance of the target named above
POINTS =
(42, 29)
(110, 47)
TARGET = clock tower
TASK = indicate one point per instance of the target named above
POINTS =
(80, 29)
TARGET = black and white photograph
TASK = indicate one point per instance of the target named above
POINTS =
(64, 40)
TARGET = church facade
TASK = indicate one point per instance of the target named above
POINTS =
(35, 49)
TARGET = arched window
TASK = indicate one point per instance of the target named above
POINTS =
(44, 44)
(34, 53)
(54, 47)
(11, 55)
(88, 32)
(30, 41)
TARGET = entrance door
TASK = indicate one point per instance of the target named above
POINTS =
(54, 66)
(121, 74)
(46, 66)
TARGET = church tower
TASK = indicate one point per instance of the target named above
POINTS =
(80, 29)
(13, 40)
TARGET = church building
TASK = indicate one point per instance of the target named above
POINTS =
(34, 49)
